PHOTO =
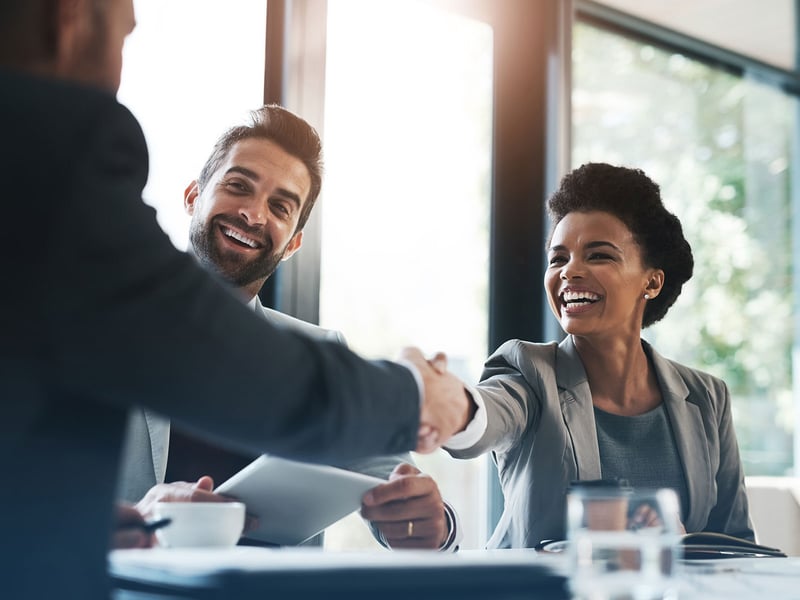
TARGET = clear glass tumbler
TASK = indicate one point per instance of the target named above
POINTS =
(623, 543)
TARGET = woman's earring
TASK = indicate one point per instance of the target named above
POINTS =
(647, 296)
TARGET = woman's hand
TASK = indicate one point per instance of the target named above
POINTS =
(646, 516)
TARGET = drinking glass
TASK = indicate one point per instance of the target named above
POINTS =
(623, 544)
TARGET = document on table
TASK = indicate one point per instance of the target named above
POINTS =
(294, 500)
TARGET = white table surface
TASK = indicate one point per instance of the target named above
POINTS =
(735, 578)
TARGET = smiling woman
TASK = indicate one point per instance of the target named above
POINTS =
(595, 270)
(603, 404)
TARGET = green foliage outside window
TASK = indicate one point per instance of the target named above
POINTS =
(720, 147)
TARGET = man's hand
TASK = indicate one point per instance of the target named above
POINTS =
(126, 533)
(183, 491)
(408, 510)
(447, 408)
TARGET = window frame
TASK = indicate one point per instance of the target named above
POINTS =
(531, 102)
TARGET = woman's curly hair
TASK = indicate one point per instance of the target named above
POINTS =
(634, 199)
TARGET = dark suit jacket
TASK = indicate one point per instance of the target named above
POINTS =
(100, 313)
(191, 457)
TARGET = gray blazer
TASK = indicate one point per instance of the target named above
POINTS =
(542, 434)
(144, 461)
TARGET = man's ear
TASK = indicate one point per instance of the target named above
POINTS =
(190, 195)
(293, 245)
(71, 27)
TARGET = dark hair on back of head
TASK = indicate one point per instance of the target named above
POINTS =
(633, 198)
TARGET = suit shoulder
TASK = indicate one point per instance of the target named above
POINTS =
(696, 376)
(517, 350)
(89, 125)
(704, 389)
(694, 379)
(25, 96)
(295, 324)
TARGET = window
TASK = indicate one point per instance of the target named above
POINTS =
(406, 195)
(185, 91)
(406, 200)
(720, 146)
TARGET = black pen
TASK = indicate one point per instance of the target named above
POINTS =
(147, 526)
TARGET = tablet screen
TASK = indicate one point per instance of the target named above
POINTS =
(293, 500)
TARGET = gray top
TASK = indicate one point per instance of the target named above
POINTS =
(641, 449)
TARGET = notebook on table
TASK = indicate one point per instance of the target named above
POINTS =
(697, 546)
(706, 544)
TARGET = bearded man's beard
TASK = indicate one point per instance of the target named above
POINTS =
(235, 269)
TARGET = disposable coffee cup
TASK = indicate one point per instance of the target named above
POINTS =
(603, 504)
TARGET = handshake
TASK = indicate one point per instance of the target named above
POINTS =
(447, 408)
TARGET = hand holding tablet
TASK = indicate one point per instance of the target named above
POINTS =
(293, 500)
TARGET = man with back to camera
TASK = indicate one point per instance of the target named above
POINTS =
(107, 315)
(248, 209)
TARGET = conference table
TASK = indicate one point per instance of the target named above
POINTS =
(298, 573)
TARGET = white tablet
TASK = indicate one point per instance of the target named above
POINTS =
(293, 500)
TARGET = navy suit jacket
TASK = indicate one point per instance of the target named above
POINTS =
(144, 461)
(100, 313)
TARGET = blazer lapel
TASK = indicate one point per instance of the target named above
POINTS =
(690, 437)
(577, 409)
(158, 429)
